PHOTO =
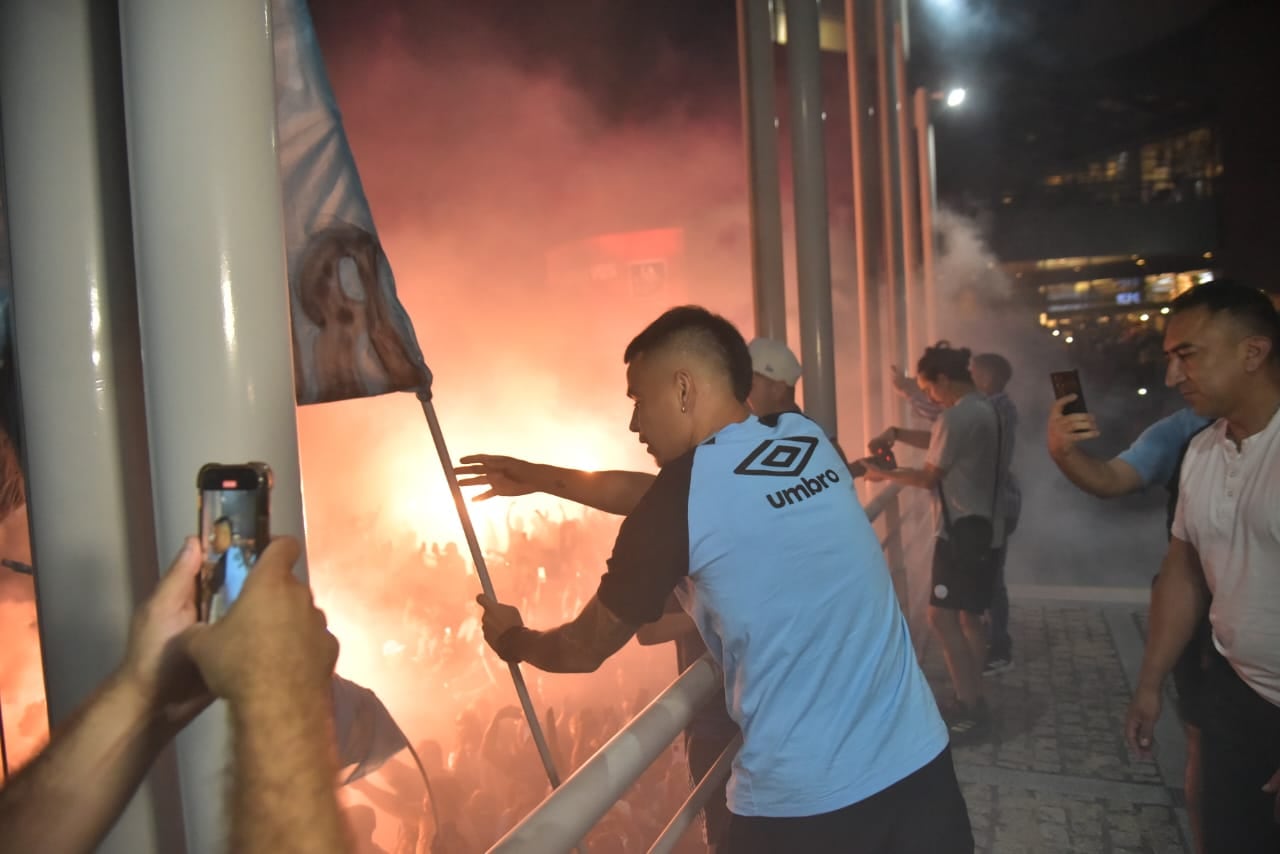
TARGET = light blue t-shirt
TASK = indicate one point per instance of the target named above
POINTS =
(790, 590)
(1154, 454)
(237, 572)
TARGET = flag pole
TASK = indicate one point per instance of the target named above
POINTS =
(486, 584)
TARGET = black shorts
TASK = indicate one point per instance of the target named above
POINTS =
(924, 813)
(1239, 751)
(958, 586)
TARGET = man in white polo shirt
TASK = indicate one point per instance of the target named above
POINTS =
(1223, 344)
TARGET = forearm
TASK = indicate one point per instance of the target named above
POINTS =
(1178, 603)
(914, 438)
(70, 796)
(579, 646)
(615, 492)
(1100, 478)
(283, 796)
(670, 627)
(919, 478)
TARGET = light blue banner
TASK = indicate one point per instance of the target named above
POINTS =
(351, 336)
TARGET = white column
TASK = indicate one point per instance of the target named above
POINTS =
(78, 361)
(764, 191)
(871, 364)
(912, 323)
(927, 183)
(813, 251)
(208, 219)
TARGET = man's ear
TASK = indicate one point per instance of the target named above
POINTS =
(1257, 350)
(685, 388)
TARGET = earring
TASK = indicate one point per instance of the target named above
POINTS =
(682, 406)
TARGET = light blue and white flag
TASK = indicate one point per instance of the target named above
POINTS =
(351, 336)
(366, 733)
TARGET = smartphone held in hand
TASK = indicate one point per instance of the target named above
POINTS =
(1065, 383)
(235, 526)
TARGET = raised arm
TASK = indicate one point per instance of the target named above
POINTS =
(616, 492)
(1102, 478)
(69, 797)
(1179, 600)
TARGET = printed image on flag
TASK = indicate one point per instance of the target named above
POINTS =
(351, 336)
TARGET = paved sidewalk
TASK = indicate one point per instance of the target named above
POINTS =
(1055, 775)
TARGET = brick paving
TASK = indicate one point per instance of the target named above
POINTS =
(1055, 775)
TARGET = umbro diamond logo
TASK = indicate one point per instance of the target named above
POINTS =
(779, 457)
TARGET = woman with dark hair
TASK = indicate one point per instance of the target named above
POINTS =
(963, 471)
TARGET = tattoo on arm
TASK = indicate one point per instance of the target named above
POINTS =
(579, 646)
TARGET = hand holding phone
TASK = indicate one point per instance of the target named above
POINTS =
(235, 516)
(1065, 383)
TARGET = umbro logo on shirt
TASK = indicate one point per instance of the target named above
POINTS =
(779, 457)
(787, 458)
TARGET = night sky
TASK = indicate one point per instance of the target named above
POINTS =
(1037, 70)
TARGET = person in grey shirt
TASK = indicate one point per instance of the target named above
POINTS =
(963, 470)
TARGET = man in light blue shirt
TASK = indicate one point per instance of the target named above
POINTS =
(1153, 458)
(230, 569)
(1150, 460)
(755, 524)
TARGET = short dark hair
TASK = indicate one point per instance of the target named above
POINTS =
(941, 360)
(707, 334)
(1247, 306)
(1001, 370)
(225, 520)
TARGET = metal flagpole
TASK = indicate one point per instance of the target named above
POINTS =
(486, 584)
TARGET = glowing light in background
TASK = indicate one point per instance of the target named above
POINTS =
(956, 97)
(1142, 392)
(1055, 333)
(1144, 317)
(1069, 339)
(1164, 310)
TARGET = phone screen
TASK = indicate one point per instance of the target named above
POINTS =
(234, 529)
(1065, 383)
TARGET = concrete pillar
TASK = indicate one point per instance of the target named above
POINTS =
(200, 98)
(813, 251)
(79, 367)
(760, 130)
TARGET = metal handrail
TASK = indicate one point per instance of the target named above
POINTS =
(568, 813)
(684, 817)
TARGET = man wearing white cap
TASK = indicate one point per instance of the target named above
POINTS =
(777, 370)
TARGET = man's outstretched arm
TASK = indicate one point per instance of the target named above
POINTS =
(70, 796)
(616, 492)
(579, 646)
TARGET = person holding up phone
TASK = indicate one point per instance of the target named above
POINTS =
(1223, 344)
(1155, 457)
(271, 658)
(963, 471)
